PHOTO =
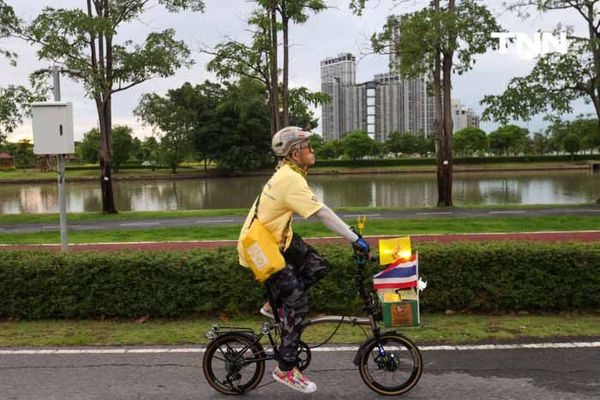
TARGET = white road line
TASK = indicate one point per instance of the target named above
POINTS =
(139, 223)
(434, 213)
(507, 212)
(51, 227)
(58, 351)
(208, 221)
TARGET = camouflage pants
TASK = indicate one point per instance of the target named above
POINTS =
(288, 288)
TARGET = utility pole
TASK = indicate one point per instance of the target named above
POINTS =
(62, 204)
(52, 126)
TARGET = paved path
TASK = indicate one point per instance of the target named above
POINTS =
(349, 216)
(449, 374)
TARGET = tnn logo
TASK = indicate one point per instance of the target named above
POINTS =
(533, 45)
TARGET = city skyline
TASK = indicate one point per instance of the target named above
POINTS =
(331, 32)
(384, 104)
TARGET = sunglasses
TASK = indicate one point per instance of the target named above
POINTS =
(304, 146)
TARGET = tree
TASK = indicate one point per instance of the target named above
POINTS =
(15, 103)
(328, 151)
(295, 11)
(557, 79)
(84, 41)
(89, 146)
(540, 143)
(508, 139)
(122, 144)
(9, 23)
(470, 140)
(22, 152)
(259, 60)
(586, 129)
(571, 144)
(316, 142)
(150, 150)
(357, 144)
(242, 142)
(137, 152)
(14, 99)
(175, 147)
(404, 143)
(300, 101)
(426, 42)
(184, 118)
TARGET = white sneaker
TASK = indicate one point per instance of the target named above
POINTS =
(294, 379)
(267, 311)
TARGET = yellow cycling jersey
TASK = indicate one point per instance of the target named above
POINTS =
(287, 192)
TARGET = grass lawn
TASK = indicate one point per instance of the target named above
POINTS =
(8, 219)
(316, 229)
(36, 175)
(121, 216)
(436, 328)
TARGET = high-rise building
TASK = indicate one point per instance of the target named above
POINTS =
(463, 117)
(384, 105)
(344, 111)
(403, 105)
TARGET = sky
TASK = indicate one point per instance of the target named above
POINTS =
(326, 34)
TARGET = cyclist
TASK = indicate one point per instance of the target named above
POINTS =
(286, 193)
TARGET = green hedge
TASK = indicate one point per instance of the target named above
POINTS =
(483, 277)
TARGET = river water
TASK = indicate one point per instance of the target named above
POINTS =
(381, 190)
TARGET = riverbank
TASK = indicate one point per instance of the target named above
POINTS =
(91, 175)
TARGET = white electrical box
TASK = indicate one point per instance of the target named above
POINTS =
(53, 127)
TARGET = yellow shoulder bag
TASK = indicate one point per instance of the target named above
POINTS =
(261, 250)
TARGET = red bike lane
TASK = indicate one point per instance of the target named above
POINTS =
(570, 236)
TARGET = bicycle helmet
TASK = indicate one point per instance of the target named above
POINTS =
(286, 138)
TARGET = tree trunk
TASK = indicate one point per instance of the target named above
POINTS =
(270, 98)
(447, 162)
(106, 65)
(438, 123)
(108, 202)
(274, 89)
(284, 95)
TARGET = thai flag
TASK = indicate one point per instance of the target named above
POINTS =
(398, 275)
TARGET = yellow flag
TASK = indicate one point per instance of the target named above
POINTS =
(391, 250)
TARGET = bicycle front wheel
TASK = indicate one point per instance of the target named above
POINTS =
(391, 365)
(234, 363)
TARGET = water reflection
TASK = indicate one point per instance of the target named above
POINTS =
(385, 190)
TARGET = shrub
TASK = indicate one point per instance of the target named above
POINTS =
(476, 276)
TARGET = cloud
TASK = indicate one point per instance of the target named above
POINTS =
(327, 34)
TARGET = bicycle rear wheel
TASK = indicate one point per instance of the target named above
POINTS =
(391, 365)
(234, 363)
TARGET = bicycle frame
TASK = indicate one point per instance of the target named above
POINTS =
(376, 353)
(370, 307)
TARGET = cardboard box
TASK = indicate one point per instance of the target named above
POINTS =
(401, 313)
